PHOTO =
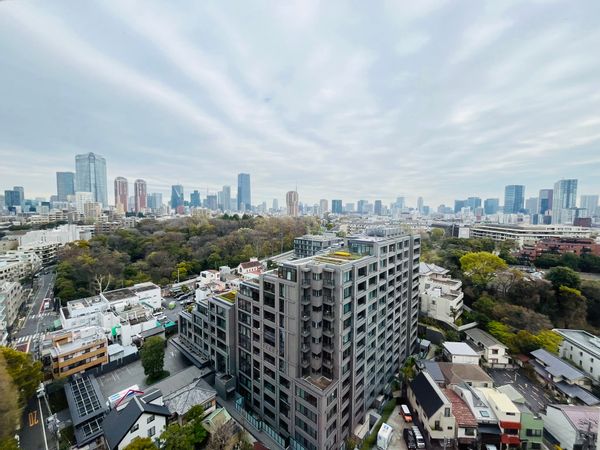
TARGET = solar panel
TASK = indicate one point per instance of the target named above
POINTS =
(85, 397)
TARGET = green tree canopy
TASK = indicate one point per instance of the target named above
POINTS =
(26, 373)
(9, 403)
(153, 356)
(563, 276)
(176, 437)
(481, 267)
(572, 308)
(141, 444)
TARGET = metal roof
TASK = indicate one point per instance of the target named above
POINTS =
(556, 366)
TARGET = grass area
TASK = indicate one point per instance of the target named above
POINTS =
(371, 440)
(228, 296)
(163, 374)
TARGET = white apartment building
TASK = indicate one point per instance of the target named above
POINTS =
(441, 296)
(492, 350)
(15, 265)
(11, 299)
(582, 349)
(527, 234)
(459, 352)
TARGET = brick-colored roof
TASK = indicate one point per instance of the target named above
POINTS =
(460, 410)
(250, 264)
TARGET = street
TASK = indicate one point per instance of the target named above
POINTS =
(34, 434)
(34, 324)
(535, 396)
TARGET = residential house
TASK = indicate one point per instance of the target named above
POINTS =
(572, 427)
(87, 408)
(254, 266)
(488, 427)
(469, 374)
(564, 379)
(143, 416)
(492, 350)
(459, 352)
(432, 408)
(508, 415)
(581, 348)
(441, 296)
(466, 424)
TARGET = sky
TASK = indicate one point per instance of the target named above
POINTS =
(343, 99)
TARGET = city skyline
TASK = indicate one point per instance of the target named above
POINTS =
(439, 101)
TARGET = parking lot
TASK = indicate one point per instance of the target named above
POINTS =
(398, 424)
(535, 396)
(126, 376)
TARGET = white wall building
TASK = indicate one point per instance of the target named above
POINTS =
(15, 265)
(492, 350)
(581, 348)
(81, 198)
(441, 296)
(572, 425)
(459, 352)
(11, 299)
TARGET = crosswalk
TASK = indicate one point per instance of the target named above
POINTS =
(23, 339)
(41, 315)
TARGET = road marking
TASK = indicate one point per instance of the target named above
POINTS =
(33, 419)
(43, 427)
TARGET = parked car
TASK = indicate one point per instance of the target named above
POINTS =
(409, 438)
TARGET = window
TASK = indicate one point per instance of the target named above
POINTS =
(447, 412)
(150, 419)
(347, 276)
(317, 292)
(135, 428)
(347, 291)
(347, 308)
(317, 276)
(469, 431)
(151, 431)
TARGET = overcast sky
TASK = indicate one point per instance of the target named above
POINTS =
(350, 100)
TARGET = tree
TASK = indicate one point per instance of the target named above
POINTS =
(572, 308)
(194, 418)
(563, 276)
(591, 291)
(176, 437)
(9, 403)
(506, 279)
(141, 444)
(26, 373)
(521, 318)
(549, 340)
(153, 357)
(481, 267)
(437, 234)
(220, 437)
(485, 305)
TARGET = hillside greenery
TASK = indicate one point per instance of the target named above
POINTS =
(163, 251)
(518, 309)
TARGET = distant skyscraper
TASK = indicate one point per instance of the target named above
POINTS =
(545, 202)
(349, 207)
(400, 203)
(420, 204)
(589, 204)
(121, 194)
(275, 205)
(336, 207)
(176, 196)
(65, 185)
(195, 199)
(90, 176)
(21, 191)
(473, 203)
(291, 200)
(564, 199)
(514, 198)
(211, 202)
(491, 206)
(324, 206)
(226, 198)
(154, 201)
(140, 193)
(244, 196)
(531, 205)
(83, 198)
(458, 205)
(361, 206)
(12, 198)
(377, 208)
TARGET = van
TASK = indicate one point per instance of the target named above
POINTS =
(418, 437)
(409, 438)
(405, 412)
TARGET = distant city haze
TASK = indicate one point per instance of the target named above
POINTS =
(433, 99)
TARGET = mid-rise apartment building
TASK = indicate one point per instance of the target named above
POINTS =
(11, 299)
(311, 244)
(527, 234)
(441, 295)
(320, 338)
(68, 352)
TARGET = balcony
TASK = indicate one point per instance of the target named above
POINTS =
(305, 299)
(328, 332)
(305, 332)
(305, 348)
(305, 363)
(305, 283)
(328, 363)
(329, 299)
(328, 282)
(328, 315)
(305, 316)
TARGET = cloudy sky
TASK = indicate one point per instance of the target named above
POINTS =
(350, 100)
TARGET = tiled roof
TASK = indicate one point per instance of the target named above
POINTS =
(460, 410)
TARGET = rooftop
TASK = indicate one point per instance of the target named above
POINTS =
(460, 410)
(582, 338)
(581, 417)
(478, 335)
(228, 296)
(455, 373)
(500, 399)
(459, 349)
(425, 269)
(318, 381)
(119, 294)
(556, 366)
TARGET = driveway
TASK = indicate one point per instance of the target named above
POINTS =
(535, 396)
(398, 424)
(126, 376)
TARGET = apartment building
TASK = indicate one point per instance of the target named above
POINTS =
(73, 351)
(508, 415)
(311, 244)
(441, 296)
(527, 234)
(16, 265)
(11, 299)
(320, 338)
(583, 349)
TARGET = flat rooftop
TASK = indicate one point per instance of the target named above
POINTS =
(319, 381)
(119, 294)
(586, 340)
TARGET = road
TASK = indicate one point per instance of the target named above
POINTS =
(535, 396)
(37, 320)
(33, 434)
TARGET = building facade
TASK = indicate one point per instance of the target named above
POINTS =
(336, 207)
(563, 201)
(121, 194)
(514, 198)
(65, 185)
(11, 299)
(140, 195)
(244, 195)
(90, 176)
(320, 338)
(291, 201)
(176, 196)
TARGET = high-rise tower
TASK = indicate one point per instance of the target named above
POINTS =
(90, 176)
